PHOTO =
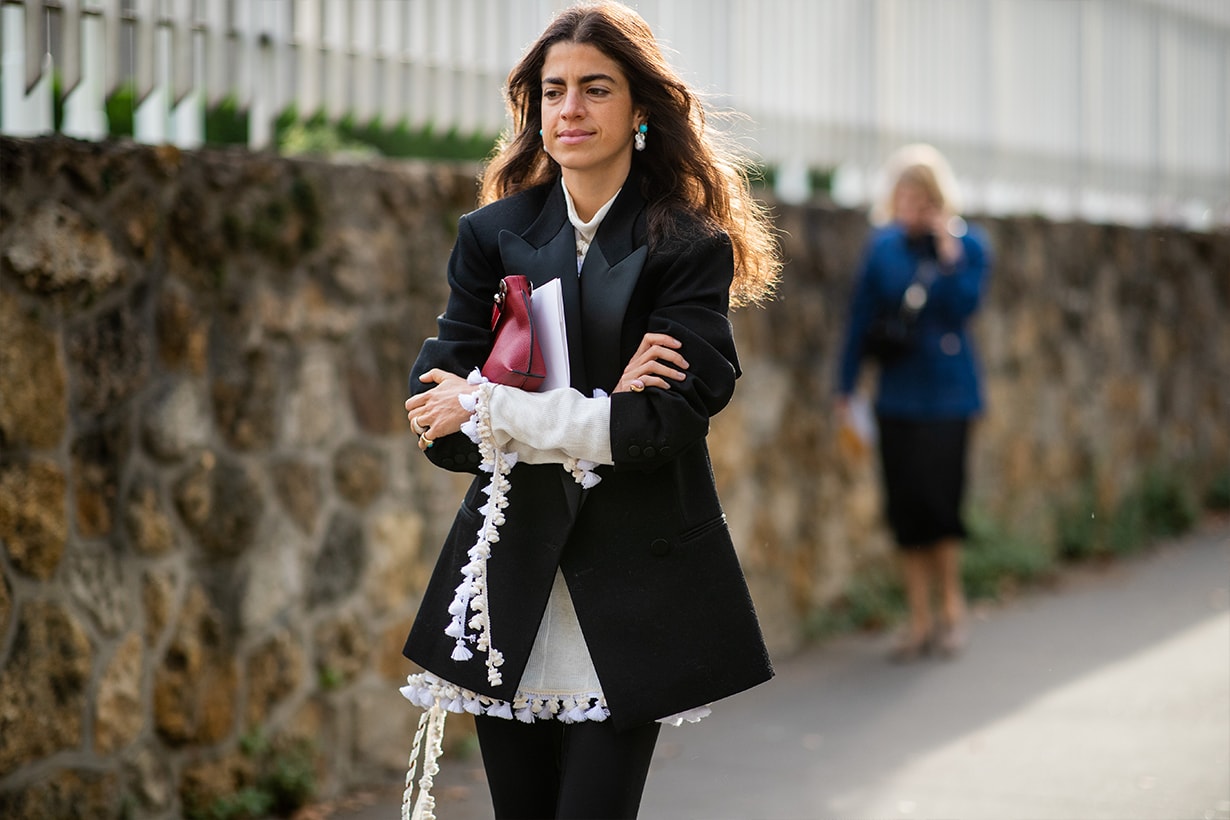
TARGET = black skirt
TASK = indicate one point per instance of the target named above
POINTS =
(923, 466)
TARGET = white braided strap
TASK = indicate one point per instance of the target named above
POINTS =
(431, 727)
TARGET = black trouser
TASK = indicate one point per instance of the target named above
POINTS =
(550, 769)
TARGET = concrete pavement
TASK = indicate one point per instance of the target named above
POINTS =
(1105, 697)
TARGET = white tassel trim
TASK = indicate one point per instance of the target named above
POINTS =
(471, 593)
(425, 690)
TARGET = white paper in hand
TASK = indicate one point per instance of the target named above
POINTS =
(547, 305)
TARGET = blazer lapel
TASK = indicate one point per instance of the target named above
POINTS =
(612, 268)
(605, 292)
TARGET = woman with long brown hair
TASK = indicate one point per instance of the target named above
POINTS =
(602, 596)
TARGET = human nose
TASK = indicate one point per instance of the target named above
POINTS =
(574, 104)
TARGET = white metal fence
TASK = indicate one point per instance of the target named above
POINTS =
(1111, 110)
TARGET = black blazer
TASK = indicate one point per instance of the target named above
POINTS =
(646, 554)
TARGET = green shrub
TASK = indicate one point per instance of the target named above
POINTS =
(284, 781)
(121, 111)
(1168, 503)
(997, 562)
(1077, 528)
(226, 124)
(1217, 496)
(873, 600)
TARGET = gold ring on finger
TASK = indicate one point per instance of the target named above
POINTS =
(425, 442)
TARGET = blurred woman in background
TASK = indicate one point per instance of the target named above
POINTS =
(922, 278)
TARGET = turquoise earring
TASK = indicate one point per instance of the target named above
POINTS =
(638, 139)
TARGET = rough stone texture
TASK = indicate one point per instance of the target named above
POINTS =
(108, 358)
(220, 504)
(148, 525)
(206, 782)
(33, 412)
(182, 332)
(317, 414)
(390, 663)
(276, 573)
(33, 527)
(195, 685)
(341, 561)
(214, 455)
(381, 728)
(98, 459)
(43, 685)
(342, 649)
(276, 672)
(94, 577)
(177, 422)
(149, 777)
(298, 488)
(157, 598)
(243, 390)
(359, 473)
(398, 574)
(66, 795)
(377, 370)
(119, 717)
(53, 248)
(6, 605)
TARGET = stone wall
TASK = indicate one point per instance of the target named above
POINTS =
(216, 526)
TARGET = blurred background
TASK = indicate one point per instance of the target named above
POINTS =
(1095, 109)
(224, 226)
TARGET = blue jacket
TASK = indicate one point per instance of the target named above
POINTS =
(939, 378)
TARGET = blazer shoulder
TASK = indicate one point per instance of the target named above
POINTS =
(513, 213)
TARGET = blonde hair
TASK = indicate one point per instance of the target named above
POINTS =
(687, 169)
(921, 165)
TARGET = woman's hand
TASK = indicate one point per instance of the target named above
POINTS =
(651, 364)
(948, 245)
(438, 411)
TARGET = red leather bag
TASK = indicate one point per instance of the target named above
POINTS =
(516, 355)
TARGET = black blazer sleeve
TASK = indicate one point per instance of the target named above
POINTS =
(690, 301)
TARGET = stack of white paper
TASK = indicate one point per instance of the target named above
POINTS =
(547, 305)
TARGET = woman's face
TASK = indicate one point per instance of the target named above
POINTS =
(915, 211)
(588, 118)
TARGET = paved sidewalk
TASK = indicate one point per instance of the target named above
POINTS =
(1106, 697)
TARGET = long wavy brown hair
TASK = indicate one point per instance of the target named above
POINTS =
(687, 168)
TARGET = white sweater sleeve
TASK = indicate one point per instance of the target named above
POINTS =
(551, 427)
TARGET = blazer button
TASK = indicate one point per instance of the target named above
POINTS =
(659, 547)
(634, 451)
(650, 452)
(665, 451)
(446, 461)
(473, 458)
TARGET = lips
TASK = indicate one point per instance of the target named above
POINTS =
(572, 136)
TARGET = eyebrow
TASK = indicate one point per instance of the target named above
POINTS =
(588, 78)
